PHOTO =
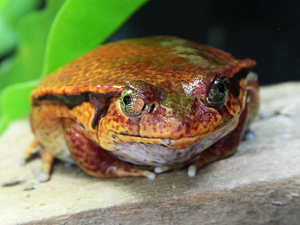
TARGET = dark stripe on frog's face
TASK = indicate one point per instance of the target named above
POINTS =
(70, 101)
(99, 101)
(233, 83)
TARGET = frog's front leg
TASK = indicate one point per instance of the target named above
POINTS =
(46, 157)
(93, 159)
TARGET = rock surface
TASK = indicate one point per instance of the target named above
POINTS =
(260, 184)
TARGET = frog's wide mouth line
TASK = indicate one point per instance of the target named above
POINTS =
(163, 151)
(179, 143)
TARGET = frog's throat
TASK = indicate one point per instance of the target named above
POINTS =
(159, 152)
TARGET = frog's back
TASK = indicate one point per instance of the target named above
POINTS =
(162, 60)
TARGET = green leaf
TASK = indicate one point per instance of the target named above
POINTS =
(82, 25)
(14, 102)
(33, 32)
(7, 38)
(13, 10)
(79, 26)
(10, 13)
(26, 65)
(3, 4)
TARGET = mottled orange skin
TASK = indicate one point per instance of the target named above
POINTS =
(172, 75)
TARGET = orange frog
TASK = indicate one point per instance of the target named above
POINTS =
(141, 105)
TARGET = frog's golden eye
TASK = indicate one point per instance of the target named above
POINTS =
(132, 104)
(217, 94)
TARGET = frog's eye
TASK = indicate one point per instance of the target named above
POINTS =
(132, 104)
(217, 94)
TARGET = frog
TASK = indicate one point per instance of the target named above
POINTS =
(143, 106)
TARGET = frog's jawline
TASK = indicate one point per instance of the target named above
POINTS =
(158, 155)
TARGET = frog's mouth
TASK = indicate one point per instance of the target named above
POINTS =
(164, 151)
(180, 143)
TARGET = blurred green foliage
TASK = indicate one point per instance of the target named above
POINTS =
(39, 36)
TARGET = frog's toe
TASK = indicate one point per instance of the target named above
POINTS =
(161, 169)
(43, 177)
(150, 175)
(249, 135)
(22, 161)
(47, 161)
(192, 171)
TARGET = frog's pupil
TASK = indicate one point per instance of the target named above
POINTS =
(127, 100)
(221, 87)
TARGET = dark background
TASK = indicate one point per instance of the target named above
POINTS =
(267, 31)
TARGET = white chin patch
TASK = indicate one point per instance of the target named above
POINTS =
(157, 155)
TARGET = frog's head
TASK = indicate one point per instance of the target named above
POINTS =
(172, 93)
(175, 115)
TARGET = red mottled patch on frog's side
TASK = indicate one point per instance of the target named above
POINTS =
(79, 142)
(89, 156)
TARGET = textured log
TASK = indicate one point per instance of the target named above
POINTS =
(258, 185)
